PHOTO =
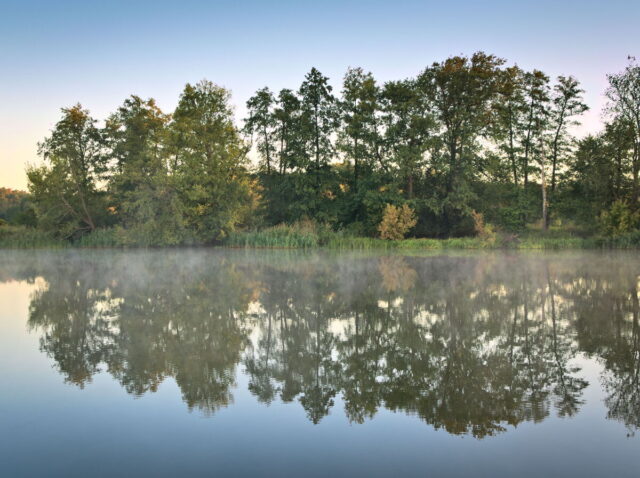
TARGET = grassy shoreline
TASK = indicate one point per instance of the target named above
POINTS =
(287, 237)
(258, 240)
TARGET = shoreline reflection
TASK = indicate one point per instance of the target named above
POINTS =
(470, 344)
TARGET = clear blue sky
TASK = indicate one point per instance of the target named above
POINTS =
(55, 53)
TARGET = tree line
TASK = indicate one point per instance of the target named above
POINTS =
(15, 207)
(468, 140)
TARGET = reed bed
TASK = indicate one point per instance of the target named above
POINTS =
(18, 237)
(311, 236)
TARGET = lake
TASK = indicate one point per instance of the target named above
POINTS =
(214, 362)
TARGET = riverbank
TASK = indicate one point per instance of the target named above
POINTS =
(287, 237)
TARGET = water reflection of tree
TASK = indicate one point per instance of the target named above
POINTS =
(468, 344)
(441, 345)
(146, 330)
(75, 320)
(607, 309)
(622, 379)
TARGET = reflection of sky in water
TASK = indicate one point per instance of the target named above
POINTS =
(127, 295)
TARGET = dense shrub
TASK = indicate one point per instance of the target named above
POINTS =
(619, 219)
(396, 222)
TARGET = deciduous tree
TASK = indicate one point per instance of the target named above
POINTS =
(66, 189)
(210, 162)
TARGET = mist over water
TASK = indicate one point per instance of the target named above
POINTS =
(215, 361)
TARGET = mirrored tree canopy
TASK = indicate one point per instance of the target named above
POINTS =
(472, 344)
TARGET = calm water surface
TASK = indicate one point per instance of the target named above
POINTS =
(218, 363)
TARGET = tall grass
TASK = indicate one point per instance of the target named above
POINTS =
(630, 240)
(555, 243)
(346, 242)
(295, 236)
(308, 235)
(20, 237)
(282, 236)
(100, 238)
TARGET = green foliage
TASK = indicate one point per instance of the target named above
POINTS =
(318, 120)
(21, 237)
(624, 106)
(619, 220)
(460, 91)
(630, 240)
(141, 186)
(299, 235)
(359, 138)
(66, 196)
(210, 177)
(107, 237)
(467, 138)
(485, 232)
(408, 128)
(566, 104)
(16, 207)
(290, 237)
(146, 178)
(261, 123)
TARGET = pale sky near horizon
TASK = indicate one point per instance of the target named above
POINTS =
(57, 53)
